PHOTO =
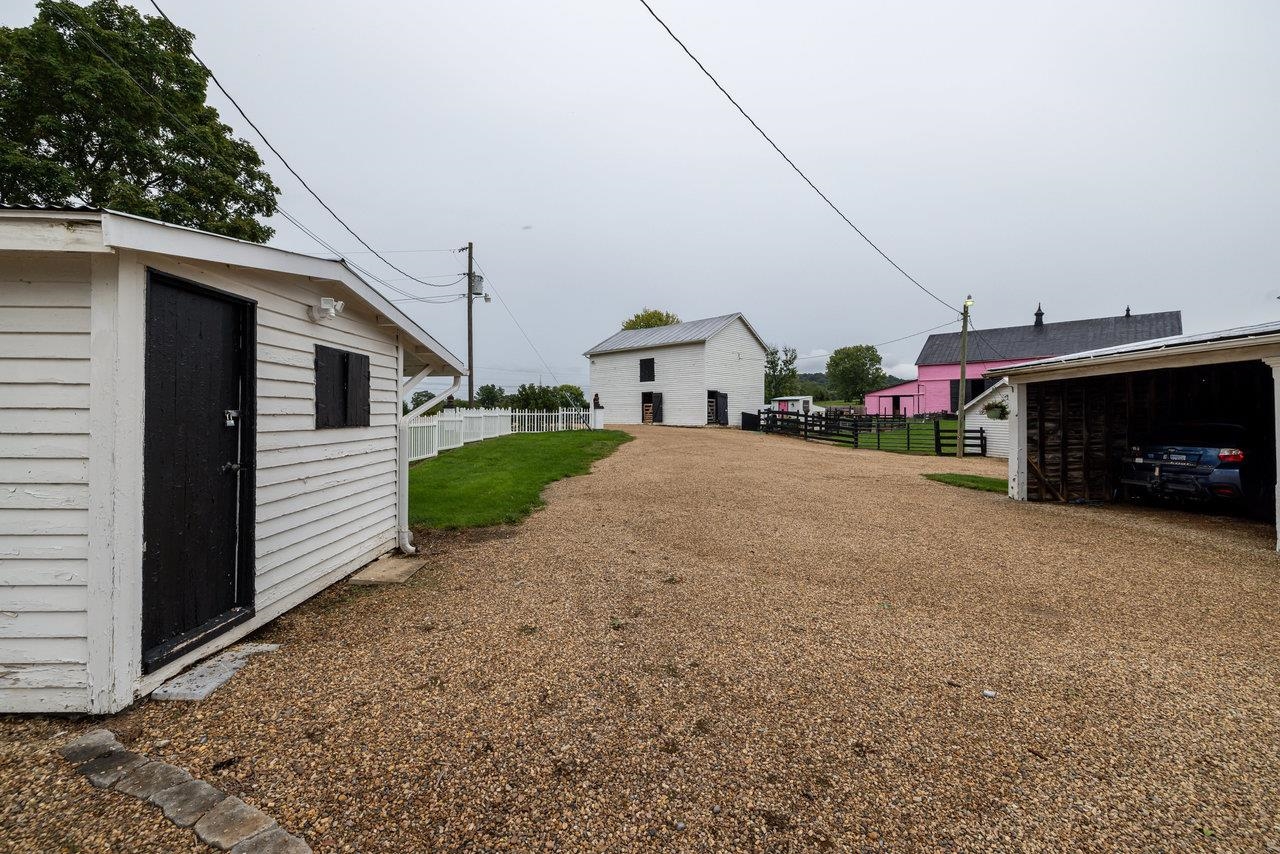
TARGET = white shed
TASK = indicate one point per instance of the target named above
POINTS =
(796, 403)
(686, 374)
(983, 411)
(196, 434)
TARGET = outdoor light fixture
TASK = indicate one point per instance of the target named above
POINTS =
(328, 309)
(968, 301)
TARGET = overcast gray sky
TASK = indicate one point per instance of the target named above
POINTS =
(1086, 155)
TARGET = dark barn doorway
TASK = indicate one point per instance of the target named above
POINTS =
(1080, 430)
(650, 407)
(718, 408)
(198, 483)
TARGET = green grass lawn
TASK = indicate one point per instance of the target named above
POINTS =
(915, 438)
(500, 481)
(972, 481)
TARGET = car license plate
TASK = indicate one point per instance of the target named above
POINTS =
(1178, 457)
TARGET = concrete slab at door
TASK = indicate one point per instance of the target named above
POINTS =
(202, 680)
(389, 569)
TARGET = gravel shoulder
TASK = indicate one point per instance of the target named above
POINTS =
(730, 641)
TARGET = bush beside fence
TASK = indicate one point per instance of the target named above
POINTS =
(453, 428)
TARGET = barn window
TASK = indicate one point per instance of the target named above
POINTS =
(646, 370)
(342, 388)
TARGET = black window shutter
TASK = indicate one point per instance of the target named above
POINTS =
(646, 370)
(329, 387)
(357, 390)
(955, 395)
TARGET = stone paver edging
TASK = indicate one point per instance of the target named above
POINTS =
(218, 819)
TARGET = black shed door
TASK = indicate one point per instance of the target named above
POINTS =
(197, 575)
(722, 408)
(657, 407)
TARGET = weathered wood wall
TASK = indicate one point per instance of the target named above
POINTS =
(1079, 429)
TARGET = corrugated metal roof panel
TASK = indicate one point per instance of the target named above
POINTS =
(52, 208)
(1172, 342)
(689, 332)
(1051, 339)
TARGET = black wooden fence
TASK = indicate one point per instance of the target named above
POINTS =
(878, 432)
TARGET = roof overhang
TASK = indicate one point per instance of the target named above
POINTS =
(601, 350)
(989, 392)
(106, 231)
(890, 388)
(1243, 345)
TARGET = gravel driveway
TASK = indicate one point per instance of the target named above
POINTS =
(728, 641)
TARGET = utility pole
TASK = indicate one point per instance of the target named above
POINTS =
(964, 355)
(471, 351)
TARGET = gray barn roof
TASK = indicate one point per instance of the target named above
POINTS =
(689, 332)
(1238, 336)
(1050, 339)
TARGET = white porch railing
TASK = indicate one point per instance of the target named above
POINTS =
(431, 434)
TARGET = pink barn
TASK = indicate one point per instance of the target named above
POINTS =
(937, 388)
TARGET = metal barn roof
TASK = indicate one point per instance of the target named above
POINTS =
(1261, 333)
(1050, 339)
(689, 332)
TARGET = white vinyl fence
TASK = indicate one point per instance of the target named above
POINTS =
(431, 434)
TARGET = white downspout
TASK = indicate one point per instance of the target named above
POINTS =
(404, 535)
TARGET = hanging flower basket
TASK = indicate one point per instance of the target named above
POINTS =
(997, 410)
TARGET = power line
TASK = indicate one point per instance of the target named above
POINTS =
(532, 346)
(287, 165)
(984, 340)
(918, 334)
(440, 300)
(891, 341)
(790, 162)
(281, 210)
(400, 252)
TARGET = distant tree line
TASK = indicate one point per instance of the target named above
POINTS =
(530, 396)
(850, 373)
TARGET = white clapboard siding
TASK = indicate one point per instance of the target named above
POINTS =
(679, 374)
(49, 395)
(50, 345)
(44, 476)
(17, 572)
(735, 366)
(42, 624)
(280, 480)
(309, 513)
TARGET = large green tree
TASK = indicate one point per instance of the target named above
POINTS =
(571, 396)
(781, 378)
(649, 318)
(854, 371)
(490, 396)
(76, 126)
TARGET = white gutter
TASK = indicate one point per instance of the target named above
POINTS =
(404, 536)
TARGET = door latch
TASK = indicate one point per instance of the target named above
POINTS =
(231, 415)
(232, 467)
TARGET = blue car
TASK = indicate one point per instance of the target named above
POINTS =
(1200, 461)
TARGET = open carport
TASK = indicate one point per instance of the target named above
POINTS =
(1076, 417)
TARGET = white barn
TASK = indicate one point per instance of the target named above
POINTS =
(195, 436)
(686, 374)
